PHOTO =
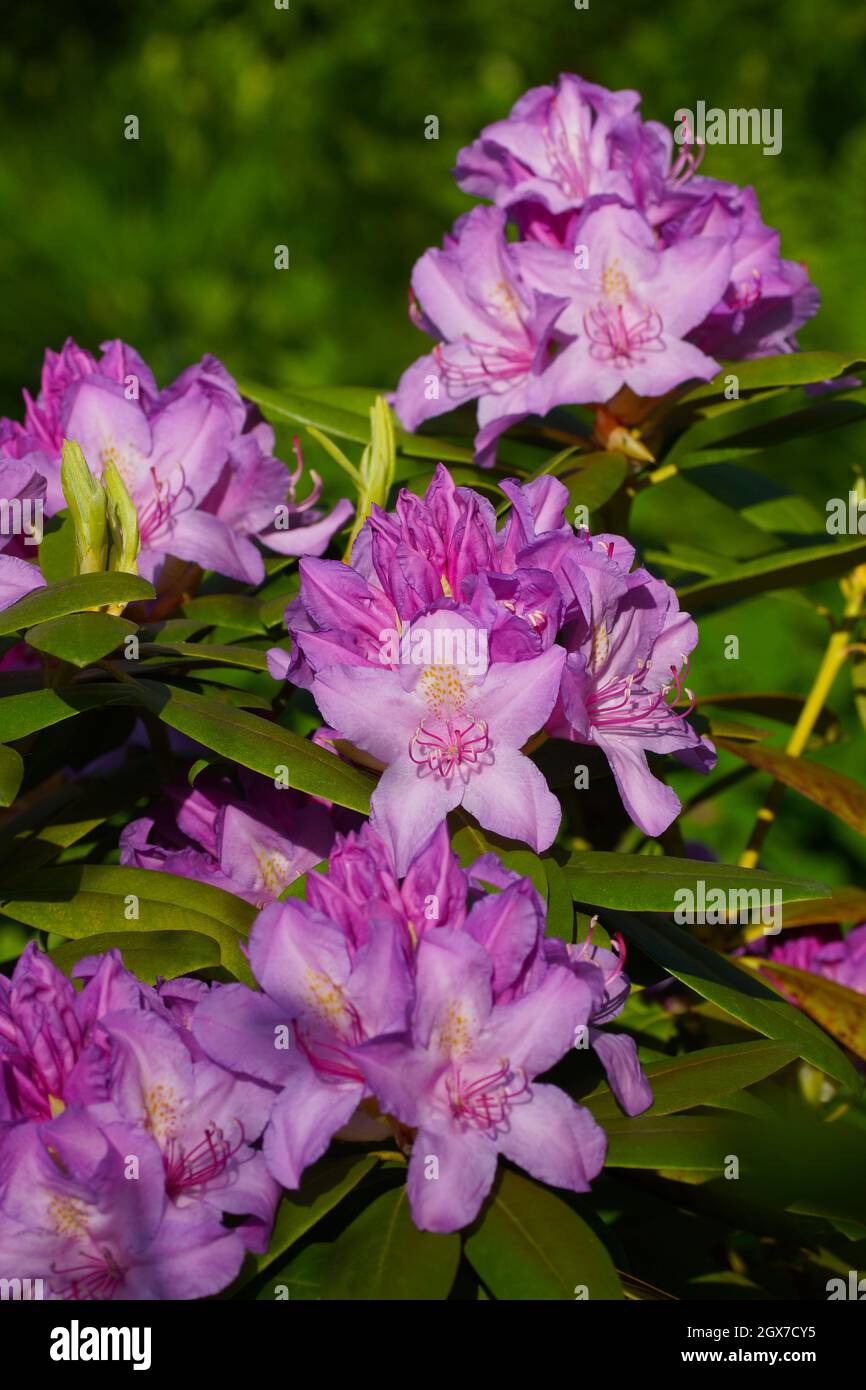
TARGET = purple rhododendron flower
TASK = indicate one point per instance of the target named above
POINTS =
(494, 331)
(22, 491)
(428, 1007)
(196, 458)
(121, 1144)
(252, 839)
(69, 1215)
(449, 734)
(821, 951)
(519, 595)
(629, 310)
(628, 648)
(629, 268)
(445, 543)
(552, 154)
(463, 1076)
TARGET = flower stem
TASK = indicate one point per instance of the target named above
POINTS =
(838, 650)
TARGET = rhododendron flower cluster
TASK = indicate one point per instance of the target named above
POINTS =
(432, 1005)
(447, 644)
(196, 458)
(250, 838)
(122, 1146)
(630, 270)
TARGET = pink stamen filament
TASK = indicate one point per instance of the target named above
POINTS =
(492, 363)
(458, 746)
(569, 166)
(686, 163)
(295, 476)
(484, 1103)
(622, 703)
(203, 1163)
(614, 340)
(102, 1276)
(331, 1057)
(163, 504)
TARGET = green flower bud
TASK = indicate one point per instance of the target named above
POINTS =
(378, 464)
(122, 520)
(86, 501)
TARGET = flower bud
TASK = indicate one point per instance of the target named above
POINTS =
(378, 463)
(86, 501)
(122, 520)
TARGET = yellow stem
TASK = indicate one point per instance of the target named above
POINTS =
(834, 659)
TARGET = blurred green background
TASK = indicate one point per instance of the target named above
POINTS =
(304, 126)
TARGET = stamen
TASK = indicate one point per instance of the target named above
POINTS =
(450, 749)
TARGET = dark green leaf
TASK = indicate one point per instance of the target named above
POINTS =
(239, 612)
(84, 900)
(73, 596)
(11, 773)
(336, 420)
(299, 1280)
(21, 715)
(530, 1246)
(323, 1188)
(700, 1143)
(383, 1256)
(246, 657)
(150, 956)
(788, 369)
(737, 992)
(651, 884)
(779, 570)
(80, 638)
(678, 1083)
(560, 907)
(259, 744)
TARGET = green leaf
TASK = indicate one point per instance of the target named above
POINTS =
(237, 611)
(834, 791)
(300, 1280)
(57, 558)
(716, 978)
(259, 744)
(530, 1246)
(383, 1256)
(248, 658)
(651, 884)
(760, 501)
(73, 596)
(787, 369)
(797, 424)
(80, 638)
(698, 1143)
(700, 514)
(679, 1083)
(21, 715)
(779, 570)
(11, 773)
(592, 479)
(560, 907)
(85, 900)
(150, 956)
(840, 1010)
(298, 408)
(323, 1188)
